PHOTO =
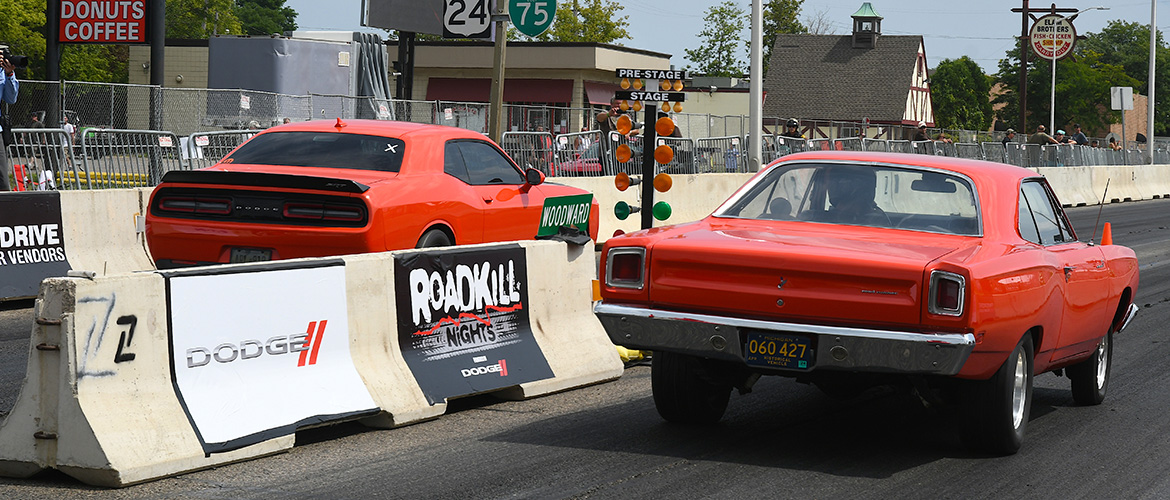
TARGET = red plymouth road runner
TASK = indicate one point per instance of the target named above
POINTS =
(325, 188)
(962, 279)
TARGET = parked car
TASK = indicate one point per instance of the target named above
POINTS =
(959, 278)
(313, 189)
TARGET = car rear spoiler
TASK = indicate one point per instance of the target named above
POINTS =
(265, 179)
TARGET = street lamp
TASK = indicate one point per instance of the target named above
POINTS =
(1052, 103)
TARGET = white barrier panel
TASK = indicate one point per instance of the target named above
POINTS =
(1073, 185)
(140, 376)
(101, 230)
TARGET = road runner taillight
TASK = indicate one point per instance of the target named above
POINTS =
(196, 204)
(946, 293)
(626, 267)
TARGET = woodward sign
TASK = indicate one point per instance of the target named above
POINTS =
(103, 21)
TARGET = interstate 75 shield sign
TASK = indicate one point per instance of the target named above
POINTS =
(463, 322)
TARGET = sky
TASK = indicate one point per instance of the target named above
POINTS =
(980, 29)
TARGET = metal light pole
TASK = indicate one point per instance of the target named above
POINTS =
(1150, 97)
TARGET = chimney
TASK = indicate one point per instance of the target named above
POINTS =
(867, 26)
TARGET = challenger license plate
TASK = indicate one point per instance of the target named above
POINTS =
(778, 350)
(250, 255)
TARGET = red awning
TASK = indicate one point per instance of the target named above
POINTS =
(600, 92)
(515, 90)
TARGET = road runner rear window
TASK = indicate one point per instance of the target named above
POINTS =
(861, 195)
(322, 149)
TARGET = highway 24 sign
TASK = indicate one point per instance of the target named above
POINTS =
(532, 17)
(467, 18)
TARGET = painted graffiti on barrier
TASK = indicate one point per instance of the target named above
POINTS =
(32, 242)
(463, 323)
(89, 363)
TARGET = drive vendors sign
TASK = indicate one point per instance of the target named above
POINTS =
(463, 323)
(32, 242)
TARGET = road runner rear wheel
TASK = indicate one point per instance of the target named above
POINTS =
(688, 389)
(997, 409)
(1090, 378)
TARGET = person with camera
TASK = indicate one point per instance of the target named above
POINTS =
(9, 88)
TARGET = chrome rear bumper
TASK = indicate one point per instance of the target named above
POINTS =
(837, 348)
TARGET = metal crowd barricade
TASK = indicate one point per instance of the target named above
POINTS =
(923, 147)
(944, 148)
(970, 151)
(577, 154)
(684, 155)
(875, 145)
(848, 144)
(204, 149)
(996, 151)
(126, 158)
(530, 149)
(901, 147)
(719, 154)
(820, 144)
(38, 158)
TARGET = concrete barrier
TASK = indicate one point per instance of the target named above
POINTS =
(103, 230)
(1073, 185)
(123, 384)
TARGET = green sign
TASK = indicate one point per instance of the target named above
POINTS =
(565, 211)
(532, 17)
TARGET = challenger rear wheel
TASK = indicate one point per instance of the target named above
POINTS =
(997, 409)
(688, 389)
(434, 238)
(1090, 378)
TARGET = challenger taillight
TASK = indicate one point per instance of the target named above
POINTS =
(196, 205)
(322, 211)
(947, 291)
(626, 267)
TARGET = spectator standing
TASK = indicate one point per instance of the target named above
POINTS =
(1060, 138)
(1009, 136)
(70, 130)
(792, 129)
(1041, 136)
(1078, 137)
(9, 88)
(920, 135)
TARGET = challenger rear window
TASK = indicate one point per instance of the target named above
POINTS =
(918, 199)
(322, 149)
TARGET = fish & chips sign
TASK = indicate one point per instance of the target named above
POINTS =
(1053, 37)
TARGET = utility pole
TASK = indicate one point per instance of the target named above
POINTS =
(496, 113)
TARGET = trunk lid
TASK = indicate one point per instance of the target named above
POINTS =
(833, 274)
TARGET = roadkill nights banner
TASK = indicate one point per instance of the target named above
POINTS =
(260, 352)
(32, 243)
(463, 321)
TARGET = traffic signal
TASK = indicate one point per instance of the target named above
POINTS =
(662, 184)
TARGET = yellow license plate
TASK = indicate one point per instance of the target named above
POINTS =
(779, 350)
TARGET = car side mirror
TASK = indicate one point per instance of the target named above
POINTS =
(533, 177)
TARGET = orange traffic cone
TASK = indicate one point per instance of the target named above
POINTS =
(1107, 235)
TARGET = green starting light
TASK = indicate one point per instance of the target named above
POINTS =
(662, 210)
(623, 210)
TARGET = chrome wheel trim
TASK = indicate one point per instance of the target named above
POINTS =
(1102, 361)
(1019, 391)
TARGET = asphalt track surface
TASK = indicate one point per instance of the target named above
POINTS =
(784, 440)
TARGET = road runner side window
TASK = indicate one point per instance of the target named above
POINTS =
(1049, 227)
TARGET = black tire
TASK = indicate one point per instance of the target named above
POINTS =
(687, 389)
(434, 238)
(1090, 378)
(997, 409)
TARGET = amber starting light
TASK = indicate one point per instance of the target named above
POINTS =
(666, 107)
(678, 85)
(624, 124)
(637, 105)
(664, 126)
(663, 154)
(678, 107)
(663, 182)
(638, 84)
(664, 84)
(624, 153)
(625, 83)
(625, 105)
(622, 181)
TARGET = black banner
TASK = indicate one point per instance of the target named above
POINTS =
(32, 242)
(463, 323)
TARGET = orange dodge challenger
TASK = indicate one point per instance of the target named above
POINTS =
(961, 279)
(325, 188)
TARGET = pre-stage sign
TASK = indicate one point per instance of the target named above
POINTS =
(102, 21)
(1053, 37)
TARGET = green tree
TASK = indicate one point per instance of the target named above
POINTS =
(202, 18)
(721, 42)
(264, 17)
(780, 17)
(1082, 91)
(587, 21)
(22, 25)
(960, 93)
(1127, 46)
